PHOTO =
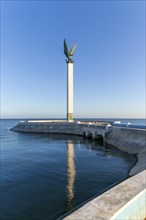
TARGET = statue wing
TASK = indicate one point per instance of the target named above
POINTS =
(71, 53)
(65, 48)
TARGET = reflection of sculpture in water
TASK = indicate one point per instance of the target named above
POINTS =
(70, 174)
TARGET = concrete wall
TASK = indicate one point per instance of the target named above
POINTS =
(132, 141)
(117, 203)
(135, 209)
(49, 127)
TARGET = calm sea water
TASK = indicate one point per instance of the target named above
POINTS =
(43, 176)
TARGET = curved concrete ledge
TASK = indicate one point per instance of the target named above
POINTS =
(49, 127)
(134, 209)
(132, 141)
(117, 203)
(83, 129)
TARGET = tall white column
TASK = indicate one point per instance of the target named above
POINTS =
(69, 92)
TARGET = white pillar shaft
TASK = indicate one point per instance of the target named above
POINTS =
(70, 91)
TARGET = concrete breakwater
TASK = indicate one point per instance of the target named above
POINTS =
(129, 140)
(132, 141)
(61, 127)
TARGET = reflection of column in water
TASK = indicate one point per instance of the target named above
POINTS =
(70, 174)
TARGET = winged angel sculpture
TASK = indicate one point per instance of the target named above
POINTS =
(67, 53)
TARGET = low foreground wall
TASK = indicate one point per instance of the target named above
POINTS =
(126, 201)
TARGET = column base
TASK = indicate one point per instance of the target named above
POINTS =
(70, 117)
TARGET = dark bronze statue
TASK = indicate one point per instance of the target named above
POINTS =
(67, 53)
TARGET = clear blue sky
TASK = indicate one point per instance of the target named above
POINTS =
(109, 67)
